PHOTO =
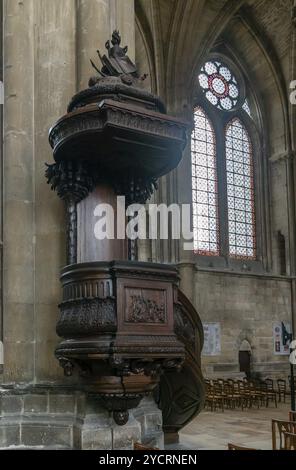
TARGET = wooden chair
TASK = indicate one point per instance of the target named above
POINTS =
(215, 396)
(255, 394)
(138, 446)
(290, 441)
(282, 390)
(236, 447)
(243, 394)
(239, 394)
(268, 392)
(229, 393)
(280, 427)
(292, 415)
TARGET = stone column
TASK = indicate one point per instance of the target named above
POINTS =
(18, 272)
(54, 85)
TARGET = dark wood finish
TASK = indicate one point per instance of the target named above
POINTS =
(119, 320)
(181, 395)
(88, 247)
(116, 319)
(116, 139)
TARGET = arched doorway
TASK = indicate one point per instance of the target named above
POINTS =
(244, 357)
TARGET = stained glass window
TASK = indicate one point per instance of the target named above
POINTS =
(204, 186)
(219, 85)
(240, 191)
(223, 194)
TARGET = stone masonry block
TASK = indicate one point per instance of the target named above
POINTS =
(36, 403)
(11, 404)
(9, 435)
(61, 404)
(46, 435)
(125, 436)
(96, 439)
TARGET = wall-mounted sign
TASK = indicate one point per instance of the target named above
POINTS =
(212, 342)
(282, 337)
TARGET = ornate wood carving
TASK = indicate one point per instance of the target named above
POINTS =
(184, 328)
(86, 317)
(181, 395)
(72, 182)
(116, 318)
(142, 309)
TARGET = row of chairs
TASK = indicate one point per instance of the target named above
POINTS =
(231, 393)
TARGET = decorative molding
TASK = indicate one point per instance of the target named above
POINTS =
(86, 317)
(148, 124)
(88, 288)
(95, 117)
(116, 88)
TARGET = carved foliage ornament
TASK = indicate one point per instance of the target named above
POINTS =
(71, 180)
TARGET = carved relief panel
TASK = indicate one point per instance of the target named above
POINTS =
(141, 307)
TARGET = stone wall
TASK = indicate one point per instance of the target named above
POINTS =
(246, 307)
(56, 418)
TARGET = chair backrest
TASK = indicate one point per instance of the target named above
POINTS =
(280, 427)
(139, 446)
(282, 385)
(263, 386)
(269, 383)
(290, 441)
(236, 447)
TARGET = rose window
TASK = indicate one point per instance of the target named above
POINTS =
(219, 85)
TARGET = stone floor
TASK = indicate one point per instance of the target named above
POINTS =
(250, 428)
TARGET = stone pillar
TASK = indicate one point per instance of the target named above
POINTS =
(18, 249)
(54, 84)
